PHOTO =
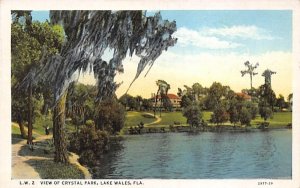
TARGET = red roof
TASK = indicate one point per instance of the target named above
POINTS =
(243, 95)
(170, 96)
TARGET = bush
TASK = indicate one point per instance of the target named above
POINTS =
(90, 123)
(219, 115)
(87, 157)
(245, 117)
(265, 112)
(193, 115)
(110, 116)
(89, 143)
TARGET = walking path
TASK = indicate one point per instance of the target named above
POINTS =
(23, 170)
(158, 119)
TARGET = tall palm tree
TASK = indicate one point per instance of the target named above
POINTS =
(250, 71)
(163, 88)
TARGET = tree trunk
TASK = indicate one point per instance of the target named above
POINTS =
(29, 138)
(251, 80)
(155, 101)
(61, 155)
(20, 122)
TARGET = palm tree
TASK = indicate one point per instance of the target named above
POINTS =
(163, 88)
(250, 71)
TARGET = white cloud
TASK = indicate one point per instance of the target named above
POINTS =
(196, 38)
(239, 31)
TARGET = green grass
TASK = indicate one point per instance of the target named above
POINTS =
(133, 118)
(206, 115)
(15, 130)
(168, 118)
(39, 125)
(47, 169)
(279, 119)
(41, 122)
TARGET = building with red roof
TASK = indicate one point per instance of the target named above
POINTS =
(244, 96)
(175, 100)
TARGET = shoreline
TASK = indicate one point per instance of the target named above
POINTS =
(188, 129)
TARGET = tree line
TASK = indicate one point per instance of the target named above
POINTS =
(227, 105)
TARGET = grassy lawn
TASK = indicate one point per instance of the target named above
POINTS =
(168, 118)
(48, 169)
(278, 119)
(39, 126)
(133, 118)
(15, 130)
(42, 122)
(206, 115)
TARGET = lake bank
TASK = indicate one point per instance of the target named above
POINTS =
(186, 128)
(176, 122)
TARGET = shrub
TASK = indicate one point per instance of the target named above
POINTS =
(245, 117)
(265, 112)
(193, 115)
(219, 115)
(110, 116)
(89, 143)
(87, 157)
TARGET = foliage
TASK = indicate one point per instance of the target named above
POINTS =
(245, 117)
(192, 94)
(252, 108)
(89, 143)
(280, 102)
(266, 96)
(129, 102)
(220, 115)
(28, 41)
(185, 101)
(233, 115)
(162, 91)
(88, 35)
(267, 101)
(215, 93)
(193, 115)
(265, 112)
(109, 116)
(47, 169)
(147, 104)
(80, 103)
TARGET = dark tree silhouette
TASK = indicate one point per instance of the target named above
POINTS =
(267, 74)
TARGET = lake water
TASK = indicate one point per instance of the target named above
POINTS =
(259, 154)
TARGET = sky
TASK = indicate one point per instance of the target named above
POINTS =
(213, 46)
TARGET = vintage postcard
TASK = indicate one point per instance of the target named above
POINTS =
(112, 94)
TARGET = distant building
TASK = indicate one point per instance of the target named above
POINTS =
(244, 96)
(175, 100)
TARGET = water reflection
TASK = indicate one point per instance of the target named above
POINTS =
(204, 155)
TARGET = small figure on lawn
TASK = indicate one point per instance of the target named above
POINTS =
(47, 130)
